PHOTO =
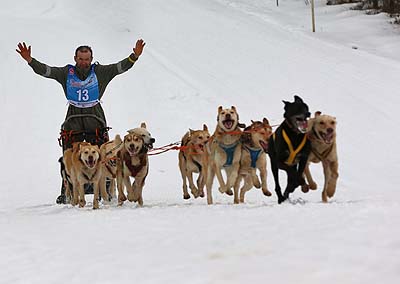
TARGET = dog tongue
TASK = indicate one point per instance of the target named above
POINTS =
(228, 123)
(91, 163)
(264, 146)
(327, 137)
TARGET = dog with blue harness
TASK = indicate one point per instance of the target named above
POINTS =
(224, 152)
(254, 142)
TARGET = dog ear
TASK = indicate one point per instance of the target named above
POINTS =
(297, 99)
(233, 108)
(219, 111)
(205, 128)
(265, 121)
(117, 138)
(317, 113)
(143, 125)
(191, 132)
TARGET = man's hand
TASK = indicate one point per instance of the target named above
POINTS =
(25, 52)
(137, 50)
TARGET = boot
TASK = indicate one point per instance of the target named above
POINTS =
(61, 199)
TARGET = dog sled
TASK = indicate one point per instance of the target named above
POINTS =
(68, 137)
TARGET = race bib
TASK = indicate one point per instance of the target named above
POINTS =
(85, 93)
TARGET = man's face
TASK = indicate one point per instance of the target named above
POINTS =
(83, 59)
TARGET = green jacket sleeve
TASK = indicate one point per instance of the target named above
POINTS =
(105, 73)
(56, 73)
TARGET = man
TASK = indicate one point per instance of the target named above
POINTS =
(84, 85)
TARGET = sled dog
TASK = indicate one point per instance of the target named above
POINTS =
(83, 165)
(193, 158)
(108, 153)
(224, 152)
(132, 162)
(322, 134)
(254, 147)
(288, 147)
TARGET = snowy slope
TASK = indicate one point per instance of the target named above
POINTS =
(199, 55)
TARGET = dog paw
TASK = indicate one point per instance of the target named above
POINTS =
(229, 192)
(121, 198)
(201, 194)
(186, 196)
(324, 197)
(131, 197)
(256, 183)
(222, 189)
(305, 188)
(313, 186)
(266, 192)
(281, 199)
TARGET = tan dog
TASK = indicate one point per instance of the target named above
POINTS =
(133, 162)
(322, 134)
(83, 165)
(254, 147)
(193, 158)
(109, 152)
(224, 152)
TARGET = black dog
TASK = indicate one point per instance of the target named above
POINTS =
(289, 147)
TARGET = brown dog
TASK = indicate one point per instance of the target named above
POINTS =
(193, 158)
(322, 134)
(109, 152)
(224, 152)
(254, 147)
(83, 165)
(132, 162)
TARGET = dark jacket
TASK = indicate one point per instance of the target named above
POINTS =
(104, 73)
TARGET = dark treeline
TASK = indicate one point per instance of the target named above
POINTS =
(391, 7)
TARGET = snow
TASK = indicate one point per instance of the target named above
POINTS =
(199, 55)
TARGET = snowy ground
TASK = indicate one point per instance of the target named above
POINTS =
(199, 55)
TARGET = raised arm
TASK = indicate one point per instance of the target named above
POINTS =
(108, 72)
(57, 73)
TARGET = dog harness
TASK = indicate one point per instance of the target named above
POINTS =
(82, 94)
(133, 169)
(253, 155)
(292, 153)
(229, 151)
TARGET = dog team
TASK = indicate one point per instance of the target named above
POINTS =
(298, 141)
